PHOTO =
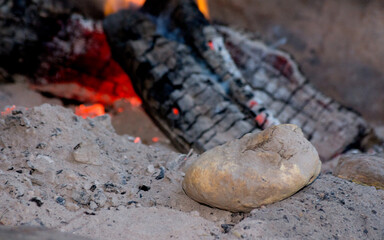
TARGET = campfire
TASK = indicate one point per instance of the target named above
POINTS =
(220, 83)
(242, 125)
(202, 84)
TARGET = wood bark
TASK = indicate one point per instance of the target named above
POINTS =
(204, 84)
(179, 91)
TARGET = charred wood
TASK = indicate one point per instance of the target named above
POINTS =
(62, 52)
(283, 93)
(180, 93)
(26, 26)
(291, 99)
(207, 84)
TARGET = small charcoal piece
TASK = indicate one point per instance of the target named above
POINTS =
(161, 174)
(60, 200)
(36, 200)
(227, 227)
(144, 188)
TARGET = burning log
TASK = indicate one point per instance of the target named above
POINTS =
(64, 53)
(205, 84)
(202, 84)
(77, 64)
(180, 92)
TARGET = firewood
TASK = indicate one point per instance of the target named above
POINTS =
(178, 90)
(24, 27)
(205, 84)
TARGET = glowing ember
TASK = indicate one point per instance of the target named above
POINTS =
(260, 118)
(134, 101)
(203, 7)
(112, 6)
(88, 74)
(137, 140)
(252, 103)
(90, 111)
(175, 111)
(8, 110)
(155, 139)
(211, 46)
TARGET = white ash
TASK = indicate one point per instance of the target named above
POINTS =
(121, 198)
(72, 167)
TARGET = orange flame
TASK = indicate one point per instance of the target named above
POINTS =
(90, 111)
(203, 7)
(8, 110)
(112, 6)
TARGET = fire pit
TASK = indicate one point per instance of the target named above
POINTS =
(202, 85)
(205, 85)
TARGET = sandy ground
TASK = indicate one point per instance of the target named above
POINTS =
(78, 175)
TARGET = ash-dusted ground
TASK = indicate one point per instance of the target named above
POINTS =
(60, 171)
